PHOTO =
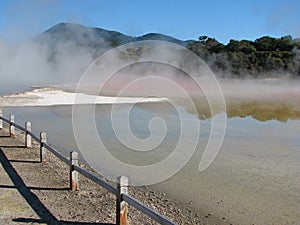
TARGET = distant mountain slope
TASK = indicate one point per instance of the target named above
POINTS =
(94, 40)
(66, 31)
(82, 34)
(266, 56)
(162, 37)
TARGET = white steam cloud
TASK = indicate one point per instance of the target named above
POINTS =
(45, 60)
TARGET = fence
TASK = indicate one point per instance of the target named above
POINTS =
(121, 191)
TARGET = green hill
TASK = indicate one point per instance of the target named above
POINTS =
(264, 57)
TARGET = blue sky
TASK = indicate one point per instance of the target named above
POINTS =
(223, 20)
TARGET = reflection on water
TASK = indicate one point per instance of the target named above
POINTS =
(259, 109)
(263, 111)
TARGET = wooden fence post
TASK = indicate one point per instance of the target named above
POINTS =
(11, 126)
(43, 139)
(73, 173)
(121, 208)
(1, 121)
(27, 135)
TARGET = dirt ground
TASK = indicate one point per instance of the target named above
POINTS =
(38, 193)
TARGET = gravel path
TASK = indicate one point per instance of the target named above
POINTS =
(37, 193)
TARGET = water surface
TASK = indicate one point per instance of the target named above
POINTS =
(254, 179)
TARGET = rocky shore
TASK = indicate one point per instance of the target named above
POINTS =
(38, 193)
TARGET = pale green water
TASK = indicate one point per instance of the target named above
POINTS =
(255, 177)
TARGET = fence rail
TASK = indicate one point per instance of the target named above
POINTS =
(121, 191)
(146, 210)
(37, 139)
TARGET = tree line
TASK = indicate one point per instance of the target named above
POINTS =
(264, 57)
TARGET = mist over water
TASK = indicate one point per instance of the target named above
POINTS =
(47, 59)
(260, 154)
(266, 99)
(41, 61)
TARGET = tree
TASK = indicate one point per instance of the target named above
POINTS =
(266, 43)
(244, 46)
(262, 57)
(203, 39)
(285, 43)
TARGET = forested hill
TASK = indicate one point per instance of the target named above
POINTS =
(264, 57)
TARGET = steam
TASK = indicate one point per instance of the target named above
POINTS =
(42, 61)
(53, 58)
(22, 66)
